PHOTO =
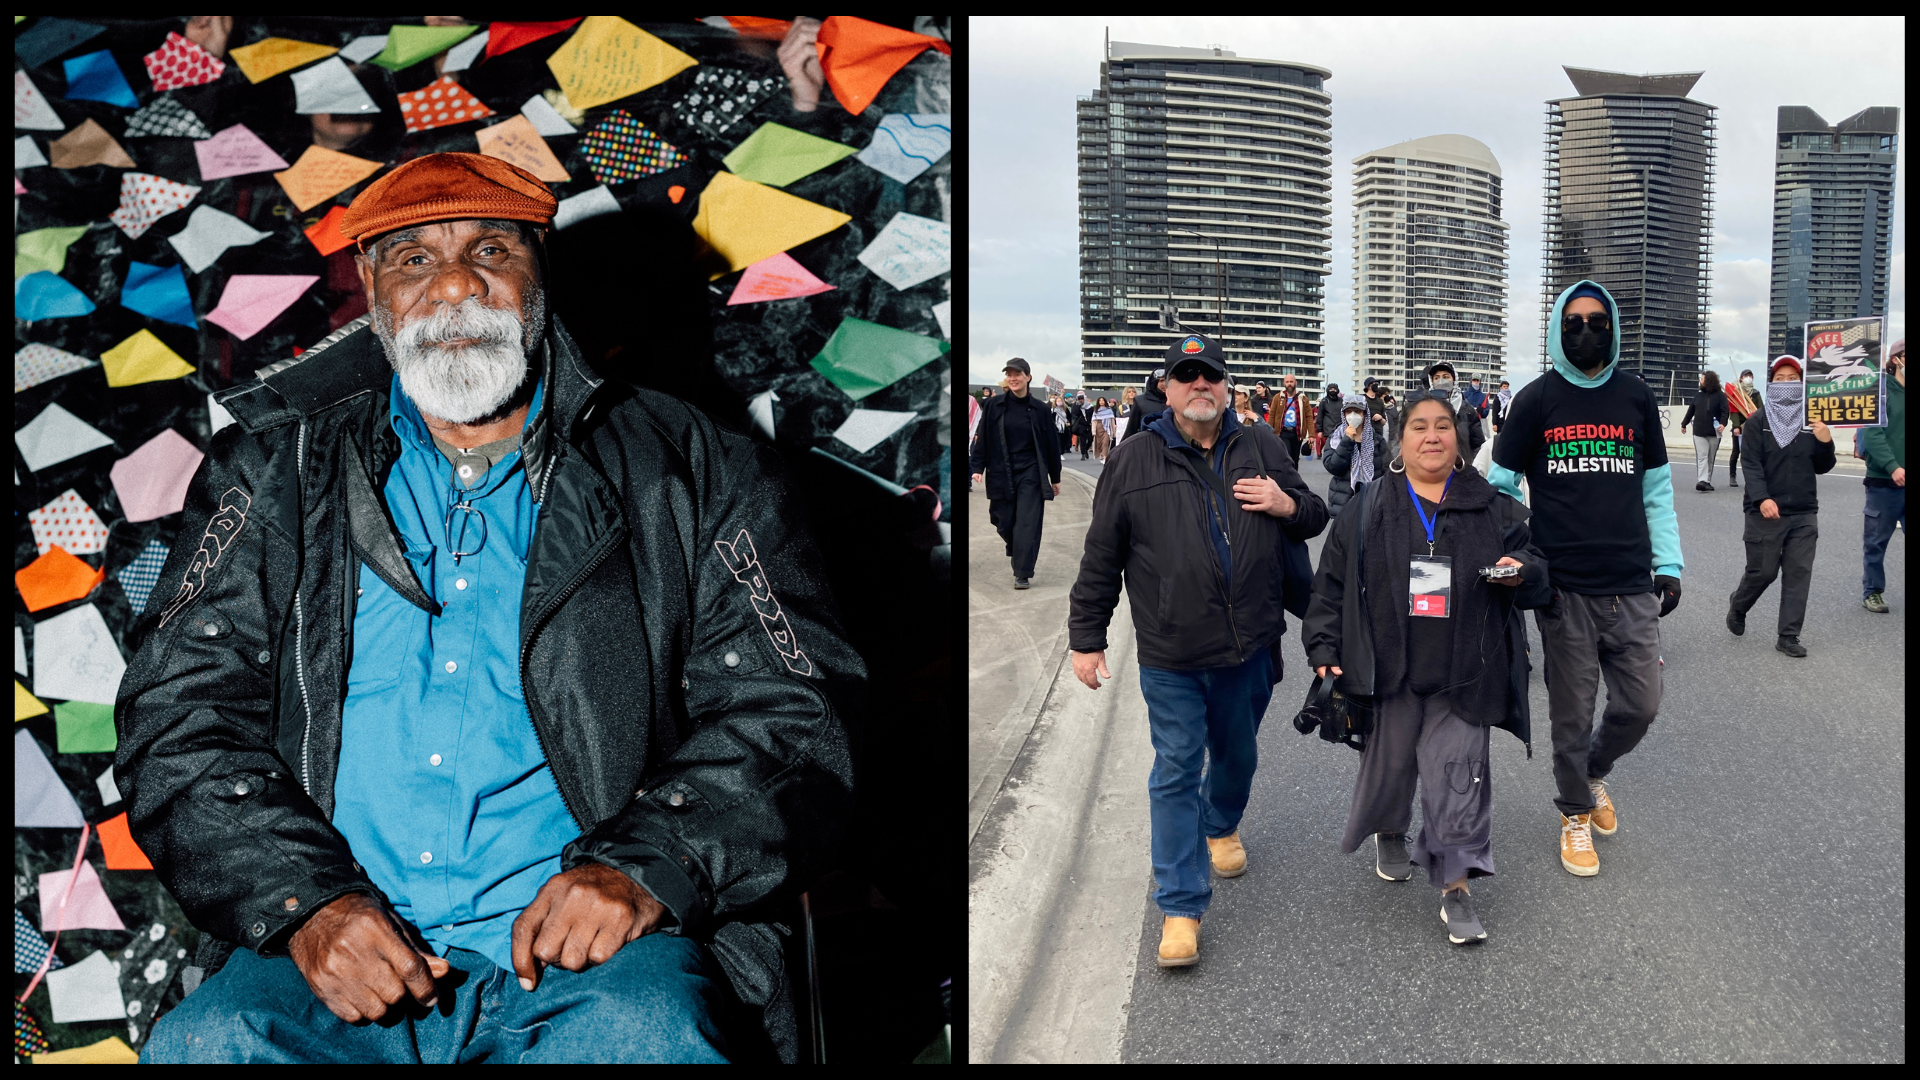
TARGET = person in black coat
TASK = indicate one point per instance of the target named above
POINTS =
(1354, 444)
(1439, 649)
(1782, 456)
(1708, 415)
(1016, 452)
(1149, 403)
(1080, 422)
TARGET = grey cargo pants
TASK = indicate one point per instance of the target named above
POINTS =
(1585, 638)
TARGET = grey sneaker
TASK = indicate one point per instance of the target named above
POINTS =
(1390, 856)
(1875, 603)
(1022, 583)
(1463, 925)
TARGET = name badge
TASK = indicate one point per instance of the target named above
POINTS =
(1429, 586)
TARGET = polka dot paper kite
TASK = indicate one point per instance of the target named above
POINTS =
(181, 63)
(146, 198)
(69, 522)
(622, 148)
(439, 103)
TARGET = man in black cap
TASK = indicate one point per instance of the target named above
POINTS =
(1440, 379)
(1017, 455)
(1150, 402)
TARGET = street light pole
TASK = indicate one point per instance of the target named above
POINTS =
(1219, 277)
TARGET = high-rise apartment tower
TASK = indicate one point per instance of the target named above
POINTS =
(1832, 219)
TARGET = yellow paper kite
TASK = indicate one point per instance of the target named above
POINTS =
(746, 222)
(609, 58)
(320, 174)
(275, 55)
(142, 358)
(517, 143)
(25, 704)
(111, 1050)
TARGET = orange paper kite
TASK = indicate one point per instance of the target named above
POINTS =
(508, 36)
(326, 234)
(55, 578)
(116, 843)
(320, 174)
(858, 57)
(757, 26)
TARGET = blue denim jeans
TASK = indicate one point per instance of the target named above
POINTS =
(1203, 724)
(653, 1002)
(1886, 506)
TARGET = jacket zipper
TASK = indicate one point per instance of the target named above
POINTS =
(300, 631)
(1206, 496)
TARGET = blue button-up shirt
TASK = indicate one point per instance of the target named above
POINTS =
(444, 793)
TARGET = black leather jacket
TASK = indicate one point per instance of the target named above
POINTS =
(665, 546)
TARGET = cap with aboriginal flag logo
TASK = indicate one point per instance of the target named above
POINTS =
(1196, 347)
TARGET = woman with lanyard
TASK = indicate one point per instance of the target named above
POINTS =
(1358, 453)
(1416, 607)
(1102, 429)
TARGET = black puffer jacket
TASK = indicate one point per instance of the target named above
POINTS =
(1150, 522)
(665, 545)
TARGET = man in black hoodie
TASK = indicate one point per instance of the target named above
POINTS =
(1017, 454)
(1150, 402)
(1782, 455)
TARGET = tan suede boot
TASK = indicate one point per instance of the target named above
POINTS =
(1179, 941)
(1229, 856)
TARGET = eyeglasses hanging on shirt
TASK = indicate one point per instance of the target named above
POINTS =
(465, 523)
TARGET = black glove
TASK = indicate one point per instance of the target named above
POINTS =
(1668, 589)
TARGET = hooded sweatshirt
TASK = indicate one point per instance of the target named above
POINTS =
(1595, 460)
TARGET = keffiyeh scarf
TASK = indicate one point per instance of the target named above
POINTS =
(1786, 406)
(1361, 471)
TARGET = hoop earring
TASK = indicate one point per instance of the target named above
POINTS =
(1462, 461)
(1401, 465)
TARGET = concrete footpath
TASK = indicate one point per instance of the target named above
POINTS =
(1057, 808)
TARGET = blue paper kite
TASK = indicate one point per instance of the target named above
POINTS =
(44, 294)
(95, 77)
(158, 292)
(48, 38)
(29, 948)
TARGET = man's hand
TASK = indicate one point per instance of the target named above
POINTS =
(1769, 509)
(1324, 668)
(1056, 489)
(210, 33)
(580, 918)
(801, 61)
(360, 959)
(1087, 664)
(1899, 478)
(1821, 431)
(1511, 582)
(1667, 588)
(1263, 494)
(979, 478)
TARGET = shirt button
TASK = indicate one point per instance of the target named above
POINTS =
(460, 583)
(212, 629)
(732, 659)
(676, 799)
(434, 760)
(426, 857)
(452, 667)
(265, 656)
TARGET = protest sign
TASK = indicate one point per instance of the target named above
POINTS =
(1844, 387)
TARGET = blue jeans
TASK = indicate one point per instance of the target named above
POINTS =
(653, 1002)
(1885, 507)
(1203, 725)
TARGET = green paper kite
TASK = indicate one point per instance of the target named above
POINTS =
(408, 45)
(82, 727)
(778, 155)
(862, 358)
(44, 249)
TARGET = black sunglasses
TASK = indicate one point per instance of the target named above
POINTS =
(1191, 370)
(1599, 320)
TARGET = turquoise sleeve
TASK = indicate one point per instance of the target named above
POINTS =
(1663, 526)
(1506, 480)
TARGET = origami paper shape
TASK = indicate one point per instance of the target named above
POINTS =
(75, 657)
(86, 908)
(30, 109)
(44, 249)
(166, 117)
(138, 577)
(862, 357)
(328, 87)
(29, 949)
(116, 839)
(146, 198)
(320, 174)
(779, 277)
(26, 153)
(109, 791)
(362, 49)
(95, 77)
(46, 295)
(722, 97)
(180, 62)
(88, 144)
(235, 151)
(556, 99)
(778, 155)
(622, 148)
(56, 578)
(112, 1050)
(48, 38)
(858, 57)
(90, 989)
(752, 26)
(906, 145)
(504, 37)
(217, 414)
(19, 652)
(158, 292)
(544, 119)
(910, 250)
(208, 234)
(943, 311)
(152, 481)
(863, 430)
(28, 1039)
(408, 45)
(760, 408)
(462, 56)
(54, 436)
(440, 103)
(143, 358)
(25, 706)
(325, 234)
(18, 187)
(609, 58)
(251, 301)
(83, 727)
(746, 222)
(40, 799)
(590, 203)
(515, 141)
(676, 193)
(268, 58)
(69, 522)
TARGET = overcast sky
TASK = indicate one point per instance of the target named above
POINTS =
(1393, 80)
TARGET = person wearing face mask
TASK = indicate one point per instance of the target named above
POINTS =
(1357, 454)
(1707, 414)
(1326, 420)
(1591, 450)
(1885, 449)
(1440, 379)
(1783, 455)
(1740, 405)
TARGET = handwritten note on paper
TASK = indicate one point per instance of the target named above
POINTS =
(320, 174)
(235, 151)
(910, 250)
(516, 142)
(609, 58)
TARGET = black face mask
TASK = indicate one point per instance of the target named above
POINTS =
(1586, 347)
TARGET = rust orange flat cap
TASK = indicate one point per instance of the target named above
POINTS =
(448, 187)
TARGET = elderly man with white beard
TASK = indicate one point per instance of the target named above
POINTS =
(496, 709)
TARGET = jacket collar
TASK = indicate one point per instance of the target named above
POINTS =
(1163, 426)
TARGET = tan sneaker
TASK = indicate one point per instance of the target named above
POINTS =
(1605, 822)
(1179, 941)
(1576, 845)
(1229, 856)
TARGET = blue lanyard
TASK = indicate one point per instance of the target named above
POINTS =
(1426, 521)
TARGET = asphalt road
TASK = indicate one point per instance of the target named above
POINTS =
(1751, 907)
